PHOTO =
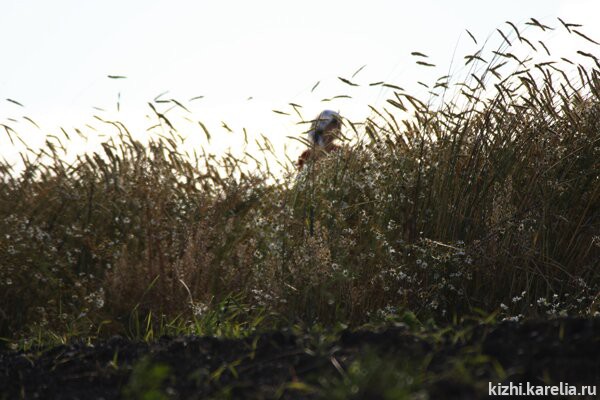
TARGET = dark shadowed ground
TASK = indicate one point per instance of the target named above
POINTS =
(391, 363)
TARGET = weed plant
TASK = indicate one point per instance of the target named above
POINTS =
(483, 199)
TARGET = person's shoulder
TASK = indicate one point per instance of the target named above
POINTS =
(303, 158)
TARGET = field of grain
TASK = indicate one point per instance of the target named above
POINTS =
(480, 202)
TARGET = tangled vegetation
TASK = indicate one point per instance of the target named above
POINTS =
(487, 201)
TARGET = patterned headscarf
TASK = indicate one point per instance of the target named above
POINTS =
(327, 119)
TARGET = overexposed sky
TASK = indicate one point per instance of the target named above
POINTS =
(245, 57)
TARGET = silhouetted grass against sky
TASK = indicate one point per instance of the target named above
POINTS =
(237, 60)
(471, 187)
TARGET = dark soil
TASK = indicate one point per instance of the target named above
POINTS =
(263, 366)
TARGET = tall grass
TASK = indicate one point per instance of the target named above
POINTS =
(487, 199)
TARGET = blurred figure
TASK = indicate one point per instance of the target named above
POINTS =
(322, 134)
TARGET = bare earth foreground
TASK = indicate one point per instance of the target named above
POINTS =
(297, 366)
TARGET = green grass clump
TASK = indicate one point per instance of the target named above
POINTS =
(373, 376)
(487, 201)
(146, 381)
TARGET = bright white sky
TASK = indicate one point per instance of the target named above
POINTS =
(56, 56)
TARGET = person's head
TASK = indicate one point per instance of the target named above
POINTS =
(323, 128)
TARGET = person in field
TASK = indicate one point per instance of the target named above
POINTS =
(322, 134)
